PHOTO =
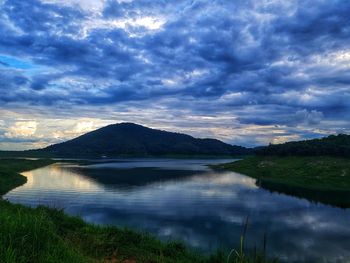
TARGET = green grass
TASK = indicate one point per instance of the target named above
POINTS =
(322, 179)
(48, 235)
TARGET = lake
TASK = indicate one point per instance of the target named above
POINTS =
(185, 200)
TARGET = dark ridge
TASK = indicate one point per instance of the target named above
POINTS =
(126, 139)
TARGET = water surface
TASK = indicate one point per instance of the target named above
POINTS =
(185, 200)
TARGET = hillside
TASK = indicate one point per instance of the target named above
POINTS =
(133, 139)
(324, 179)
(334, 145)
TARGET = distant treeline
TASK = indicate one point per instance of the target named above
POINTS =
(334, 145)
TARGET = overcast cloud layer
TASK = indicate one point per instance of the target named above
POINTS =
(247, 72)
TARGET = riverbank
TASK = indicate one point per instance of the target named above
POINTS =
(48, 235)
(320, 179)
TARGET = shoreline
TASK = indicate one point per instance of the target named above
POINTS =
(66, 238)
(320, 179)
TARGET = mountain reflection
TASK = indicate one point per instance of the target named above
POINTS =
(192, 203)
(55, 177)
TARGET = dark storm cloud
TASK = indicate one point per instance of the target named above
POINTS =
(285, 117)
(203, 56)
(4, 139)
(4, 63)
(320, 24)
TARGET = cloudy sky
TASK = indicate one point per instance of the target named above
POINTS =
(247, 72)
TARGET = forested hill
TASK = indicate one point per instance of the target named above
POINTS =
(334, 145)
(137, 140)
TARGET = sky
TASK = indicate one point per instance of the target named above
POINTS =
(247, 72)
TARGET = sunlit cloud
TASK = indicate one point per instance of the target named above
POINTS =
(81, 127)
(22, 129)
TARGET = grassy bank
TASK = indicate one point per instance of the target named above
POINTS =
(322, 179)
(48, 235)
(9, 169)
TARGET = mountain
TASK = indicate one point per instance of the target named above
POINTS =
(132, 139)
(334, 145)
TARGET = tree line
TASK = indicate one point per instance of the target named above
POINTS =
(333, 145)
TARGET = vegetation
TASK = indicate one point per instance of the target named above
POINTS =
(321, 179)
(48, 235)
(127, 139)
(9, 169)
(24, 154)
(334, 145)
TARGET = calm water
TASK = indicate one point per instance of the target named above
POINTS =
(185, 200)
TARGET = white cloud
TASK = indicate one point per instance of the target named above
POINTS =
(86, 5)
(150, 23)
(80, 127)
(339, 59)
(22, 129)
(84, 126)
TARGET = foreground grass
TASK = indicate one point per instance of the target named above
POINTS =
(48, 235)
(322, 179)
